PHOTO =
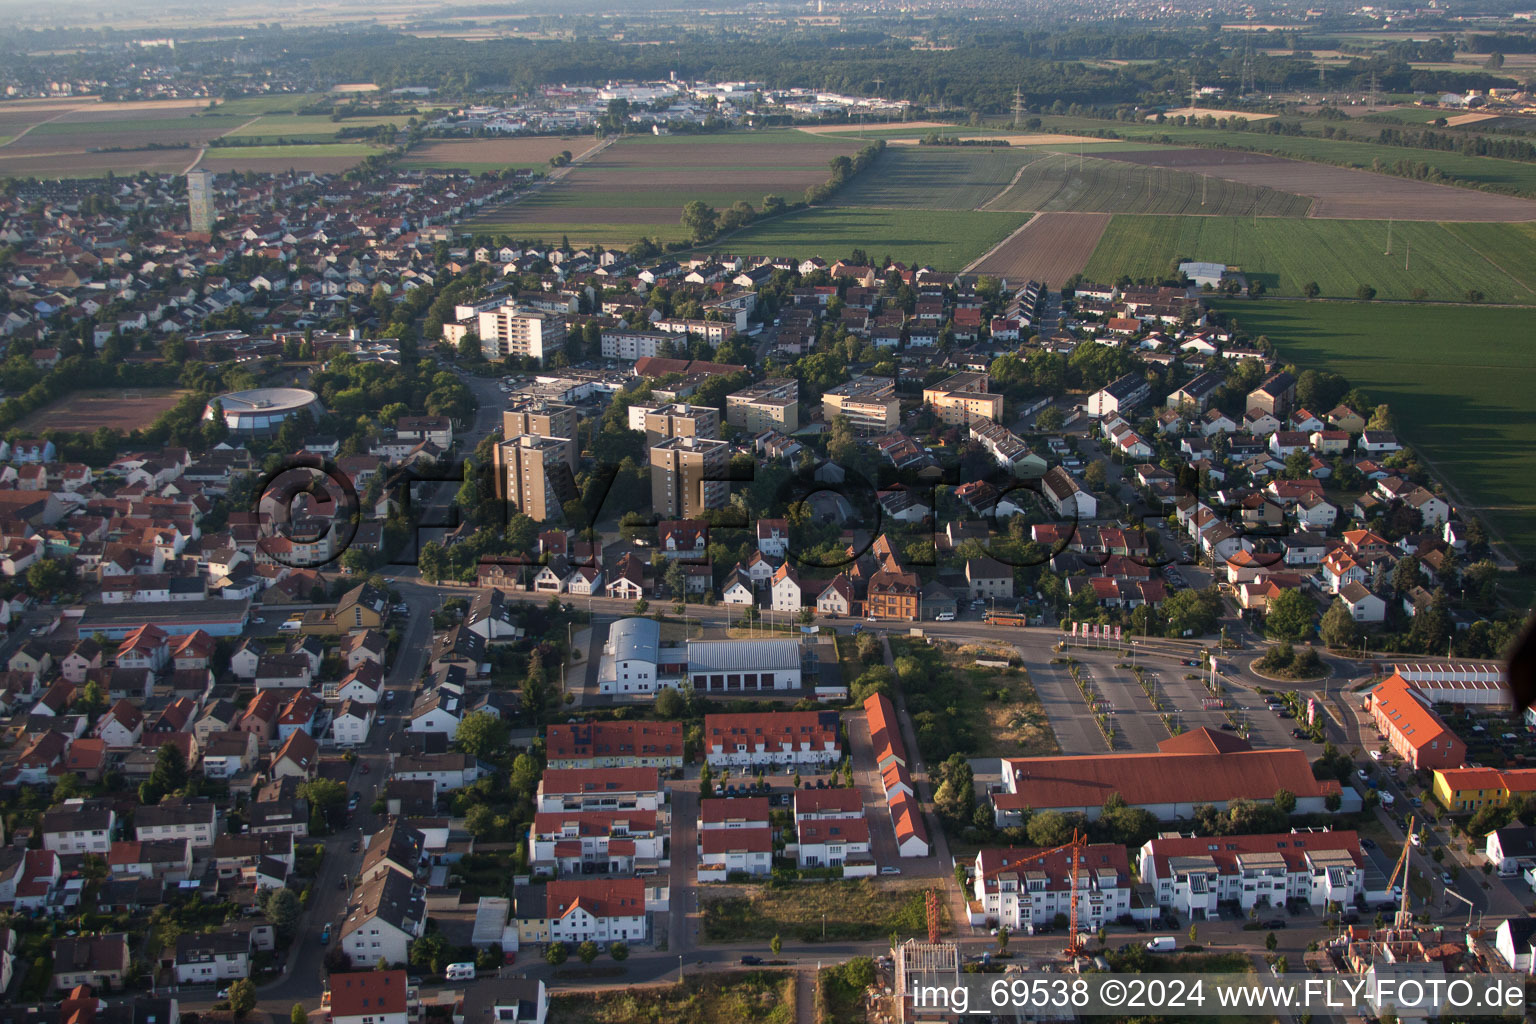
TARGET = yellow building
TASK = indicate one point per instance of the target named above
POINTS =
(1471, 789)
(962, 398)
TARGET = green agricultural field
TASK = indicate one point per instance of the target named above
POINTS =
(943, 239)
(764, 137)
(194, 123)
(936, 177)
(300, 151)
(1445, 261)
(615, 235)
(1068, 183)
(1505, 174)
(1459, 380)
(250, 106)
(298, 127)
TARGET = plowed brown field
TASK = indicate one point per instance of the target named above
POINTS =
(1050, 248)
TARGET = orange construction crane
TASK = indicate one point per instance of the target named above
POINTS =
(1078, 842)
(1403, 919)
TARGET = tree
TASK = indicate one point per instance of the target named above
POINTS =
(325, 797)
(1002, 939)
(776, 944)
(1270, 942)
(482, 735)
(557, 953)
(1194, 934)
(1094, 475)
(282, 909)
(1311, 290)
(619, 951)
(700, 219)
(1050, 419)
(1289, 616)
(536, 692)
(1365, 293)
(170, 771)
(1338, 628)
(298, 1015)
(1192, 612)
(242, 997)
(670, 704)
(707, 781)
(587, 951)
(1285, 801)
(1406, 574)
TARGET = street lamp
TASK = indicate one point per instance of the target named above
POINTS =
(823, 926)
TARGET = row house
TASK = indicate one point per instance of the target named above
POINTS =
(773, 740)
(588, 842)
(1193, 874)
(1025, 888)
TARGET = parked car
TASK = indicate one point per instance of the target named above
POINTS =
(751, 961)
(890, 869)
(1274, 923)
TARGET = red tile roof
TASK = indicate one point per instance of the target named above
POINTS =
(600, 897)
(368, 993)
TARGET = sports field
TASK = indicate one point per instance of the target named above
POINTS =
(1062, 182)
(943, 239)
(1445, 261)
(1459, 380)
(116, 408)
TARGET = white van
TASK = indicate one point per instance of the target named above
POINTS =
(944, 617)
(460, 972)
(1161, 944)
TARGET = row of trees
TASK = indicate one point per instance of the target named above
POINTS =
(703, 222)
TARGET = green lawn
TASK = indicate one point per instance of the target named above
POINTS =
(249, 106)
(945, 240)
(1445, 260)
(1459, 380)
(935, 177)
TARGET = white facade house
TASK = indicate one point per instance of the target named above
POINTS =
(386, 914)
(79, 826)
(603, 842)
(599, 909)
(1021, 888)
(1192, 874)
(834, 843)
(723, 852)
(353, 722)
(599, 789)
(1511, 849)
(780, 739)
(1515, 940)
(212, 958)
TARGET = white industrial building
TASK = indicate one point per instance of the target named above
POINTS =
(634, 661)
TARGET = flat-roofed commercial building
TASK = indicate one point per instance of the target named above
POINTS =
(688, 476)
(773, 404)
(869, 403)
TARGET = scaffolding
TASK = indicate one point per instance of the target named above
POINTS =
(923, 963)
